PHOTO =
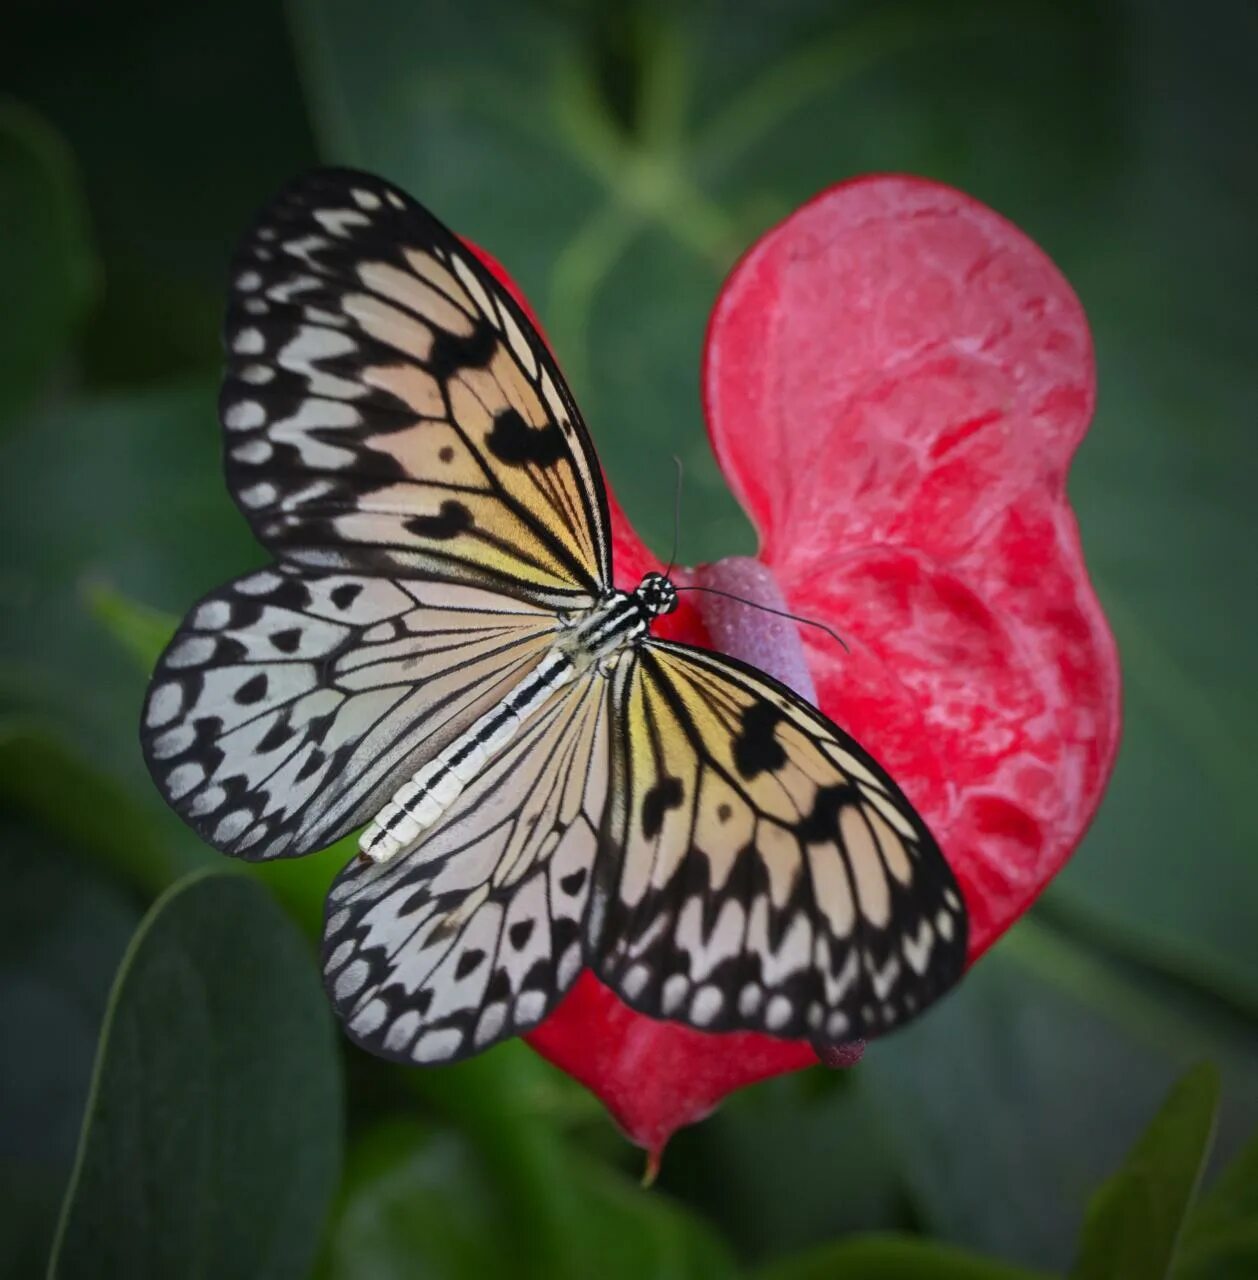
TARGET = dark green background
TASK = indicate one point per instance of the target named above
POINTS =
(617, 159)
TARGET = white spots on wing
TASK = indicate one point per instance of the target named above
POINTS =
(883, 979)
(248, 281)
(634, 983)
(351, 980)
(705, 1006)
(401, 1031)
(437, 1046)
(952, 900)
(837, 1026)
(305, 248)
(342, 953)
(266, 233)
(253, 452)
(944, 924)
(338, 919)
(917, 949)
(395, 200)
(191, 651)
(232, 825)
(778, 1014)
(173, 742)
(181, 779)
(299, 429)
(673, 993)
(286, 290)
(259, 495)
(365, 199)
(492, 1020)
(244, 415)
(259, 584)
(165, 702)
(256, 306)
(312, 344)
(340, 221)
(568, 967)
(249, 342)
(213, 615)
(749, 1000)
(529, 1007)
(207, 801)
(369, 1018)
(257, 375)
(814, 1016)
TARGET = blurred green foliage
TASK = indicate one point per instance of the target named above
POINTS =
(617, 160)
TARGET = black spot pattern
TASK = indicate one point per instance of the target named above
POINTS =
(756, 750)
(452, 519)
(513, 441)
(666, 794)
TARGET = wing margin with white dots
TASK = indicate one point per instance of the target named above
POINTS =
(389, 408)
(474, 932)
(292, 703)
(773, 877)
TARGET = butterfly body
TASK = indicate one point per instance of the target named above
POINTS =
(590, 640)
(438, 651)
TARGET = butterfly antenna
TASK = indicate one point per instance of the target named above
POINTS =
(672, 559)
(781, 613)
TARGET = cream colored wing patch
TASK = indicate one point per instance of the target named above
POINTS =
(474, 933)
(388, 408)
(292, 703)
(773, 877)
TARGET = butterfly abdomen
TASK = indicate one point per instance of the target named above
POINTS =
(422, 800)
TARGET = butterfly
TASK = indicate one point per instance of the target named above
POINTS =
(438, 652)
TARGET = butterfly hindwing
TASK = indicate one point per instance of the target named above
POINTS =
(292, 702)
(473, 933)
(773, 878)
(389, 408)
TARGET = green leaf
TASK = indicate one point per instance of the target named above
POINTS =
(63, 929)
(46, 260)
(416, 1202)
(1026, 1087)
(1135, 1221)
(143, 632)
(211, 1144)
(50, 786)
(423, 1201)
(1220, 1240)
(879, 1257)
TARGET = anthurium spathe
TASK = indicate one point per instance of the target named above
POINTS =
(895, 380)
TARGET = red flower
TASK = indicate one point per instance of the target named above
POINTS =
(895, 380)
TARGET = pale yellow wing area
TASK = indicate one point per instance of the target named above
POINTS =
(388, 408)
(768, 874)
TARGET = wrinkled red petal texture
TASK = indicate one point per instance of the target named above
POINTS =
(896, 380)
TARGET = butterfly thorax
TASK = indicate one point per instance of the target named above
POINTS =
(592, 638)
(616, 622)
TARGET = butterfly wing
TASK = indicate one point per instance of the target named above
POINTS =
(474, 932)
(773, 877)
(388, 407)
(291, 702)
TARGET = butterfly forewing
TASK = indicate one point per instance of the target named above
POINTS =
(388, 408)
(772, 877)
(473, 933)
(291, 701)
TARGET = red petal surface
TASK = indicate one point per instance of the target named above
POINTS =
(895, 381)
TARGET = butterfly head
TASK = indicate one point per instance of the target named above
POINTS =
(656, 595)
